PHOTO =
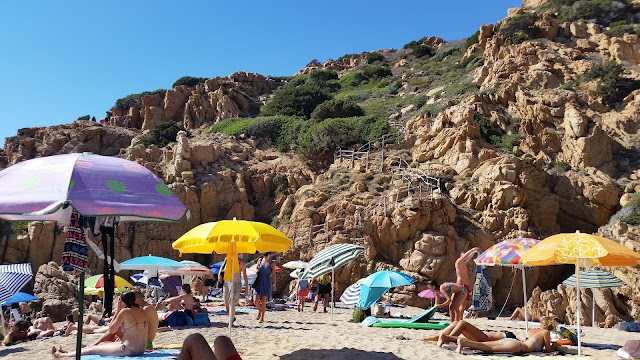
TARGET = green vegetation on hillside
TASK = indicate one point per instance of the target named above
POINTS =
(630, 213)
(603, 12)
(135, 100)
(162, 134)
(189, 81)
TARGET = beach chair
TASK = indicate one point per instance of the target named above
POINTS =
(420, 321)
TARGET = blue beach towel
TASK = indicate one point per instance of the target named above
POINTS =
(482, 295)
(155, 354)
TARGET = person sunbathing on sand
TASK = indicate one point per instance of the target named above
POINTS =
(462, 327)
(132, 322)
(518, 314)
(195, 347)
(42, 327)
(538, 339)
(19, 332)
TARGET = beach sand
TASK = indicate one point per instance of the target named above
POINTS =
(292, 335)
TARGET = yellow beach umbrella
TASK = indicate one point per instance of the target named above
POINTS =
(232, 237)
(583, 250)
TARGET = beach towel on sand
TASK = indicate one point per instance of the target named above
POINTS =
(533, 355)
(482, 296)
(155, 354)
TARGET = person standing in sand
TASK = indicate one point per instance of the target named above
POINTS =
(324, 291)
(263, 286)
(131, 321)
(232, 298)
(457, 294)
(302, 290)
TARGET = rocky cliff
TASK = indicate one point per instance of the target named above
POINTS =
(575, 163)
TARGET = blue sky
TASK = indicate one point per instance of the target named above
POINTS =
(64, 59)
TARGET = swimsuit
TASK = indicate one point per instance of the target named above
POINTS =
(537, 346)
(468, 291)
(506, 340)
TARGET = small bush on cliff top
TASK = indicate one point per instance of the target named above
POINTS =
(162, 134)
(612, 86)
(135, 100)
(517, 26)
(189, 81)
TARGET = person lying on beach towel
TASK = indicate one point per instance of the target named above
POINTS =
(518, 314)
(195, 347)
(538, 339)
(470, 332)
(42, 327)
(132, 322)
(19, 332)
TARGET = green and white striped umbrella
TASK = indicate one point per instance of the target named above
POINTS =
(594, 279)
(331, 258)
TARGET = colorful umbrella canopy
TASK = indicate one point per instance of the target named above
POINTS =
(97, 282)
(583, 250)
(506, 253)
(331, 257)
(41, 189)
(232, 237)
(296, 264)
(428, 294)
(151, 264)
(13, 278)
(351, 294)
(509, 253)
(378, 283)
(18, 298)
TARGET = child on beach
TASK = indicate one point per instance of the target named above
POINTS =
(302, 290)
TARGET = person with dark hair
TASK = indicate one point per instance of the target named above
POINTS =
(182, 302)
(263, 284)
(19, 332)
(131, 322)
(196, 347)
(435, 288)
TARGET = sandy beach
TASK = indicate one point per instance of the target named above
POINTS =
(292, 335)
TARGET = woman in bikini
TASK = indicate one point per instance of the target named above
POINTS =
(131, 321)
(537, 340)
(457, 294)
(462, 327)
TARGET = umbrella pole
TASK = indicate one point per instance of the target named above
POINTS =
(333, 284)
(524, 291)
(593, 308)
(578, 306)
(80, 315)
(4, 333)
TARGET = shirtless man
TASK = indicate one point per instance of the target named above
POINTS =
(182, 302)
(42, 327)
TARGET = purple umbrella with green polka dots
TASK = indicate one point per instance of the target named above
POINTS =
(47, 188)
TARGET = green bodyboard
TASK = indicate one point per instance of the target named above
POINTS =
(408, 325)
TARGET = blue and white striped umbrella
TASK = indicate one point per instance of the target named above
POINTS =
(594, 279)
(351, 295)
(13, 278)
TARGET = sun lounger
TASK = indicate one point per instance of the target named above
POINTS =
(420, 321)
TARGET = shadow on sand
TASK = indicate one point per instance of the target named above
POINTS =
(344, 353)
(6, 350)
